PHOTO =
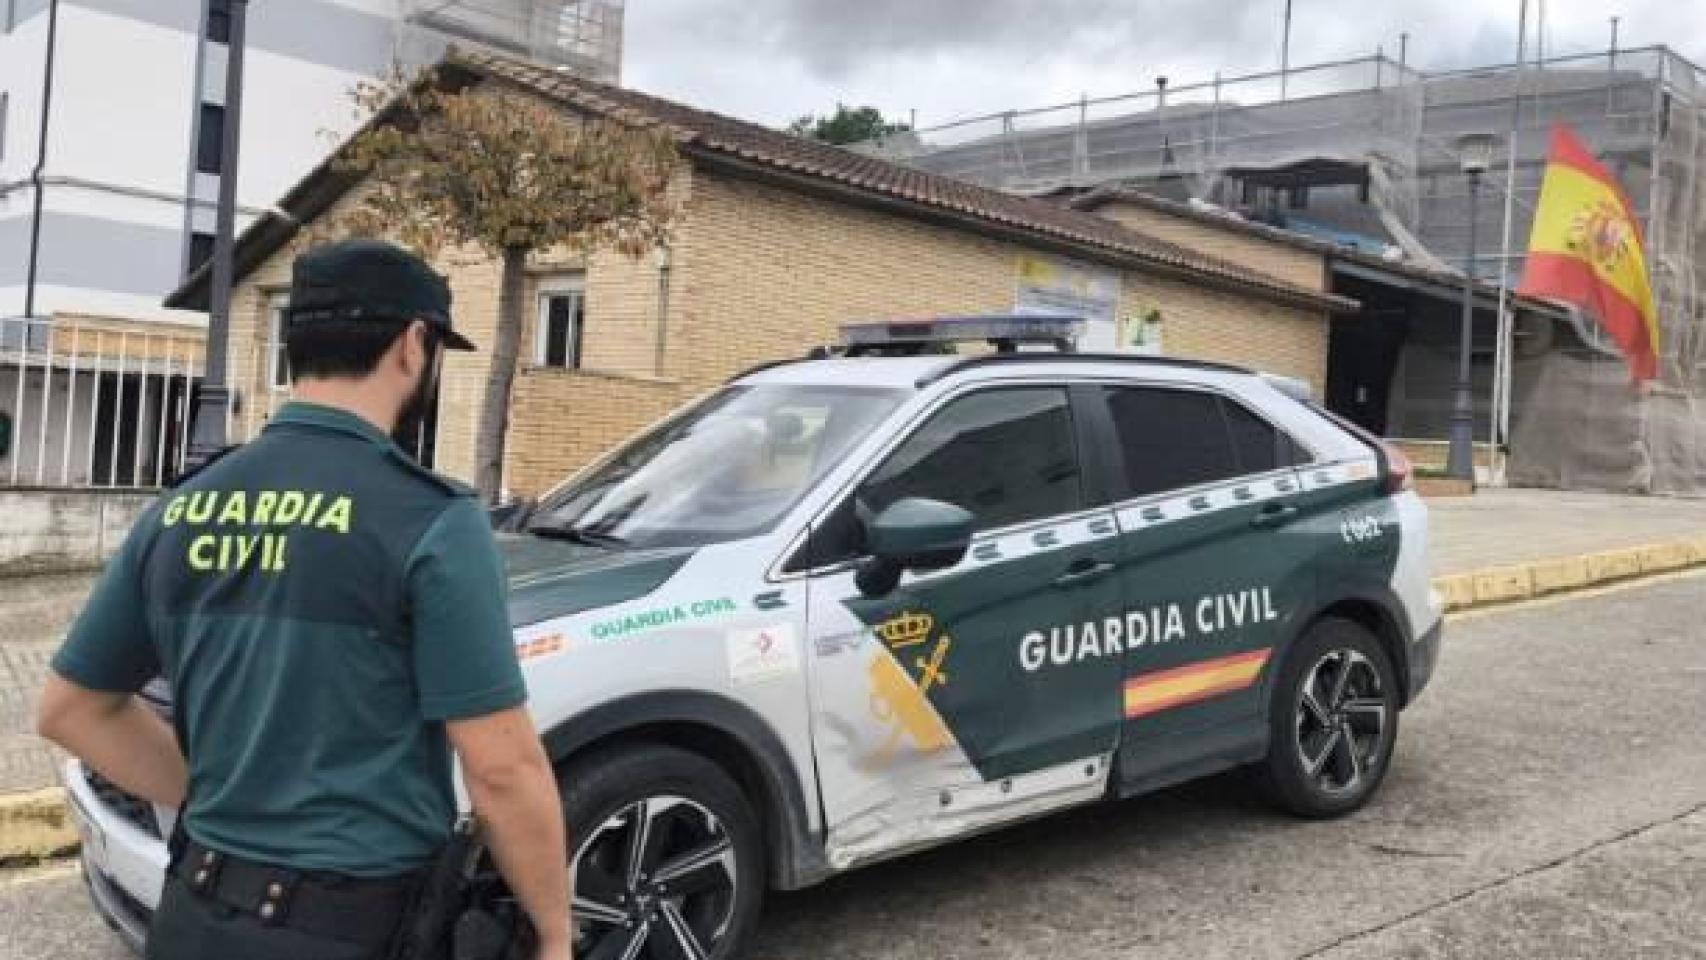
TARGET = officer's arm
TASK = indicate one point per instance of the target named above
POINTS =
(468, 677)
(87, 705)
(116, 734)
(514, 793)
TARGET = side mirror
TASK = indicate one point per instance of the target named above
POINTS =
(913, 534)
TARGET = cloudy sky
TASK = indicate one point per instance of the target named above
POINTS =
(772, 60)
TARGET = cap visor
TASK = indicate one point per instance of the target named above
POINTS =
(456, 341)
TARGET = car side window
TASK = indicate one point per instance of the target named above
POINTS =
(1173, 439)
(1258, 444)
(1007, 455)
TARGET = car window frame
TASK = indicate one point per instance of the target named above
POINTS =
(1095, 489)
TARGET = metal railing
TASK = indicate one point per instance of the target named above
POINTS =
(94, 403)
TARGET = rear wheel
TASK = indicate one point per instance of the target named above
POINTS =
(1333, 722)
(666, 857)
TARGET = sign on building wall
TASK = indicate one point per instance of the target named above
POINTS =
(1056, 286)
(1140, 328)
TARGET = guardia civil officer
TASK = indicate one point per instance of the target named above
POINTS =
(332, 620)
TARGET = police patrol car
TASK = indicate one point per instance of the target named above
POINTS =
(854, 606)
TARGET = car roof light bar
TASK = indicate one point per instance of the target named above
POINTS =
(1005, 332)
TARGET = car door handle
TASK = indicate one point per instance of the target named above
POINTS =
(1083, 571)
(1274, 515)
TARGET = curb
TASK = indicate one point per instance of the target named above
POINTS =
(38, 826)
(1527, 581)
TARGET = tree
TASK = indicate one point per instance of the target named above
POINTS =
(512, 174)
(846, 125)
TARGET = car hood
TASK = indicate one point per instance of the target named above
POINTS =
(554, 578)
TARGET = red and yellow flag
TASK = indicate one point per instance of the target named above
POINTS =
(1586, 250)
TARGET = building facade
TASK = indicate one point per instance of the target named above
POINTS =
(112, 115)
(779, 242)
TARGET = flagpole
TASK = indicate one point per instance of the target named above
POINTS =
(1500, 425)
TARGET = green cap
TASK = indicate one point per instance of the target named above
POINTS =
(369, 280)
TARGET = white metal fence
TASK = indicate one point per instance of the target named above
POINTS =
(95, 403)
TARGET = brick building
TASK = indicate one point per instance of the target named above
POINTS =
(780, 241)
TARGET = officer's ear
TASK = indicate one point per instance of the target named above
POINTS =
(417, 347)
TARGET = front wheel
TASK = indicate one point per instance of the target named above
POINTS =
(1333, 721)
(666, 857)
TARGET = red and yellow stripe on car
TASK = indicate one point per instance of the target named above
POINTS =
(1165, 689)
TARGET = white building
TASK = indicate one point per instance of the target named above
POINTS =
(111, 202)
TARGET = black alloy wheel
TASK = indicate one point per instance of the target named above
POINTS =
(666, 857)
(1333, 722)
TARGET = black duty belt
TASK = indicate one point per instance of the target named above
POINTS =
(355, 909)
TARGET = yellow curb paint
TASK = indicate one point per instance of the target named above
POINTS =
(1660, 557)
(1458, 590)
(36, 825)
(1503, 585)
(1555, 576)
(1614, 565)
(1696, 572)
(1519, 582)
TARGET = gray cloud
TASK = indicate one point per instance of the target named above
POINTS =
(774, 59)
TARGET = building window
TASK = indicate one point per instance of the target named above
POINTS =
(278, 359)
(557, 329)
(210, 139)
(219, 21)
(201, 251)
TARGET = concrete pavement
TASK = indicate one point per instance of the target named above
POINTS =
(1548, 800)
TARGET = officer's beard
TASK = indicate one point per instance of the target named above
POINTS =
(412, 417)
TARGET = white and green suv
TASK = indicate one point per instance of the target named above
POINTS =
(851, 607)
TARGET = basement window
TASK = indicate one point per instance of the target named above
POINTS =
(557, 326)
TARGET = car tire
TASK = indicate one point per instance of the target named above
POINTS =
(1332, 722)
(701, 881)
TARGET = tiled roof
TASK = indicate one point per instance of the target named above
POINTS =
(706, 134)
(711, 138)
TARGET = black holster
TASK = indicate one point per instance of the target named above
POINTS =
(425, 933)
(461, 912)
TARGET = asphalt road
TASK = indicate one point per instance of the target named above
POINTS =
(1549, 801)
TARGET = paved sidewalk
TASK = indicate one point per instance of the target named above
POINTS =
(1494, 528)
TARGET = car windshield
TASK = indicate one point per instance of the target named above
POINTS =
(725, 469)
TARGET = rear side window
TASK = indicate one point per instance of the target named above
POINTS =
(1172, 439)
(1258, 444)
(1006, 455)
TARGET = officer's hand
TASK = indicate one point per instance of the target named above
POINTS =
(556, 951)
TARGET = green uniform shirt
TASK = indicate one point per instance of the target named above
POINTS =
(320, 605)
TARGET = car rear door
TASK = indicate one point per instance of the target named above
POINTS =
(1213, 572)
(939, 707)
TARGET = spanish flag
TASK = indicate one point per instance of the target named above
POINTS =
(1586, 250)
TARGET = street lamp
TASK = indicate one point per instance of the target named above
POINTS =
(1475, 155)
(207, 434)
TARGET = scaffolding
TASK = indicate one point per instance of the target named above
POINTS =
(581, 36)
(1363, 152)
